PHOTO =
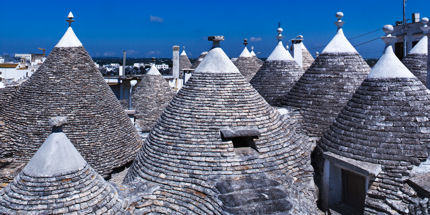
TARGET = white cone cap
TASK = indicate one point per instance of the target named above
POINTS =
(69, 39)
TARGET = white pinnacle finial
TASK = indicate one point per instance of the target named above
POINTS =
(70, 16)
(388, 38)
(339, 23)
(339, 43)
(280, 30)
(216, 40)
(425, 28)
(57, 121)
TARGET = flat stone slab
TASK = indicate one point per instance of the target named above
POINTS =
(361, 167)
(421, 183)
(232, 132)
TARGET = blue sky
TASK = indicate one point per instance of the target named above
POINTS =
(150, 28)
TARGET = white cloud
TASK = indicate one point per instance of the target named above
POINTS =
(155, 19)
(153, 52)
(255, 39)
(109, 54)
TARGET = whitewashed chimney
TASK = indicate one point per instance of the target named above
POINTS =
(297, 50)
(175, 60)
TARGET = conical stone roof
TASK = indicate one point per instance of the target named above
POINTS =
(307, 57)
(57, 180)
(247, 64)
(199, 173)
(325, 88)
(199, 60)
(150, 97)
(416, 60)
(184, 62)
(387, 122)
(69, 84)
(277, 75)
(255, 56)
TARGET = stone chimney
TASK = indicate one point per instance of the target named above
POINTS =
(175, 59)
(215, 40)
(297, 50)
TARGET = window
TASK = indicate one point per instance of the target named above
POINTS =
(242, 137)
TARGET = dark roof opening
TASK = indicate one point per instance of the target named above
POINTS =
(242, 137)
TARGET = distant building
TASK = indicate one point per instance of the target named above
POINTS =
(411, 32)
(162, 66)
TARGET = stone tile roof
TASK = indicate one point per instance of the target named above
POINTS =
(386, 122)
(416, 60)
(57, 180)
(248, 66)
(184, 62)
(151, 95)
(307, 58)
(278, 73)
(275, 78)
(325, 88)
(185, 155)
(69, 84)
(199, 60)
(328, 84)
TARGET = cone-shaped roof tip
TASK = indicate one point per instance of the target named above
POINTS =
(421, 47)
(216, 61)
(339, 43)
(69, 39)
(389, 66)
(252, 51)
(280, 53)
(183, 51)
(153, 70)
(245, 53)
(56, 156)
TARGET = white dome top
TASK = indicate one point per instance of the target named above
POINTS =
(69, 39)
(280, 53)
(216, 61)
(421, 47)
(183, 52)
(245, 53)
(339, 44)
(153, 70)
(389, 66)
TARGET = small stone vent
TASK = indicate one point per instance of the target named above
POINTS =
(242, 137)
